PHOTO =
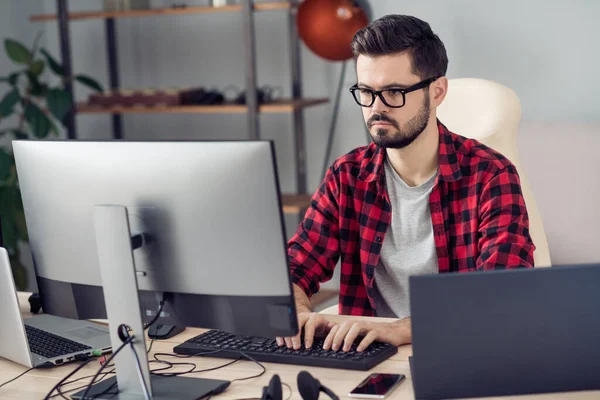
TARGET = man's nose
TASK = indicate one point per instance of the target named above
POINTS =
(379, 106)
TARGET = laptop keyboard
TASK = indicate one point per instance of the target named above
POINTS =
(49, 345)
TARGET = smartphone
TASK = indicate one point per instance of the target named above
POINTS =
(377, 386)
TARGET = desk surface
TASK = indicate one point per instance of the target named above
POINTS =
(37, 383)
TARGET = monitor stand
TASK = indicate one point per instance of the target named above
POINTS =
(119, 281)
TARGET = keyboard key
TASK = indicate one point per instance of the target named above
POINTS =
(49, 345)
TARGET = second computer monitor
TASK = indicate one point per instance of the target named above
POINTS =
(211, 209)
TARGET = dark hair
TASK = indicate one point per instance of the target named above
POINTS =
(398, 33)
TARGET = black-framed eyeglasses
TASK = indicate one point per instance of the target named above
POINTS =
(393, 97)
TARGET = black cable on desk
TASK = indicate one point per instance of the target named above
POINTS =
(193, 370)
(89, 386)
(61, 393)
(264, 369)
(170, 364)
(16, 377)
(160, 308)
(86, 362)
(150, 347)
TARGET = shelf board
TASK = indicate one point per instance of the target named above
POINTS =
(295, 203)
(270, 6)
(274, 107)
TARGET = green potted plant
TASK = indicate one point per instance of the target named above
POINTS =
(40, 108)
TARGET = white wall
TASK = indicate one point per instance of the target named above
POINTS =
(544, 49)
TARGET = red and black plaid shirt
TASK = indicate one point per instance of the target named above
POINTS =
(477, 210)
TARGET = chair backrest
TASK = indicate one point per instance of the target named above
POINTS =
(490, 113)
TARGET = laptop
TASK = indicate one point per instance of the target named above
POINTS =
(508, 332)
(43, 340)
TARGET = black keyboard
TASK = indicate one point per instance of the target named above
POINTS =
(50, 345)
(225, 345)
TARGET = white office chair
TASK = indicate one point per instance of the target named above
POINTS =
(490, 113)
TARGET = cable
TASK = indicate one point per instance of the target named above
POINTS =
(193, 365)
(67, 377)
(139, 370)
(289, 387)
(16, 377)
(157, 316)
(62, 393)
(264, 369)
(125, 343)
(150, 347)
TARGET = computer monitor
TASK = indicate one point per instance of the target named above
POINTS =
(211, 210)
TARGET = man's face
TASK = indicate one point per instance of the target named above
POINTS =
(393, 127)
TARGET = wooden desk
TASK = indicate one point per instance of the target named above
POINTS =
(37, 383)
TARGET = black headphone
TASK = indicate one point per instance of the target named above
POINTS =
(123, 332)
(273, 391)
(308, 387)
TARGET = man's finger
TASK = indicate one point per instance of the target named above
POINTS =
(288, 342)
(352, 334)
(302, 319)
(329, 339)
(280, 341)
(340, 335)
(367, 341)
(314, 322)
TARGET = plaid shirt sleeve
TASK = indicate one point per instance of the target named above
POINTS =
(314, 249)
(504, 239)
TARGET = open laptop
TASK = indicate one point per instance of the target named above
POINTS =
(506, 332)
(43, 340)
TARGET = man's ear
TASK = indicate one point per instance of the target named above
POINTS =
(438, 90)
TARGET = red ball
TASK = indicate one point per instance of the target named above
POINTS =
(328, 26)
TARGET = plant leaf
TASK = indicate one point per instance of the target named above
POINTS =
(14, 77)
(5, 164)
(20, 222)
(21, 226)
(54, 129)
(57, 68)
(9, 238)
(59, 103)
(17, 52)
(89, 82)
(36, 87)
(20, 135)
(8, 102)
(36, 41)
(39, 122)
(19, 273)
(37, 67)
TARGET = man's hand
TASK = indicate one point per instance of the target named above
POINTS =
(311, 323)
(308, 321)
(343, 335)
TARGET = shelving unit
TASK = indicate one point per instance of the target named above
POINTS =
(291, 203)
(279, 5)
(274, 107)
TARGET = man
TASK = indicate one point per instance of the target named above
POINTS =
(418, 200)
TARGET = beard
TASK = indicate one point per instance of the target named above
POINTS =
(400, 138)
